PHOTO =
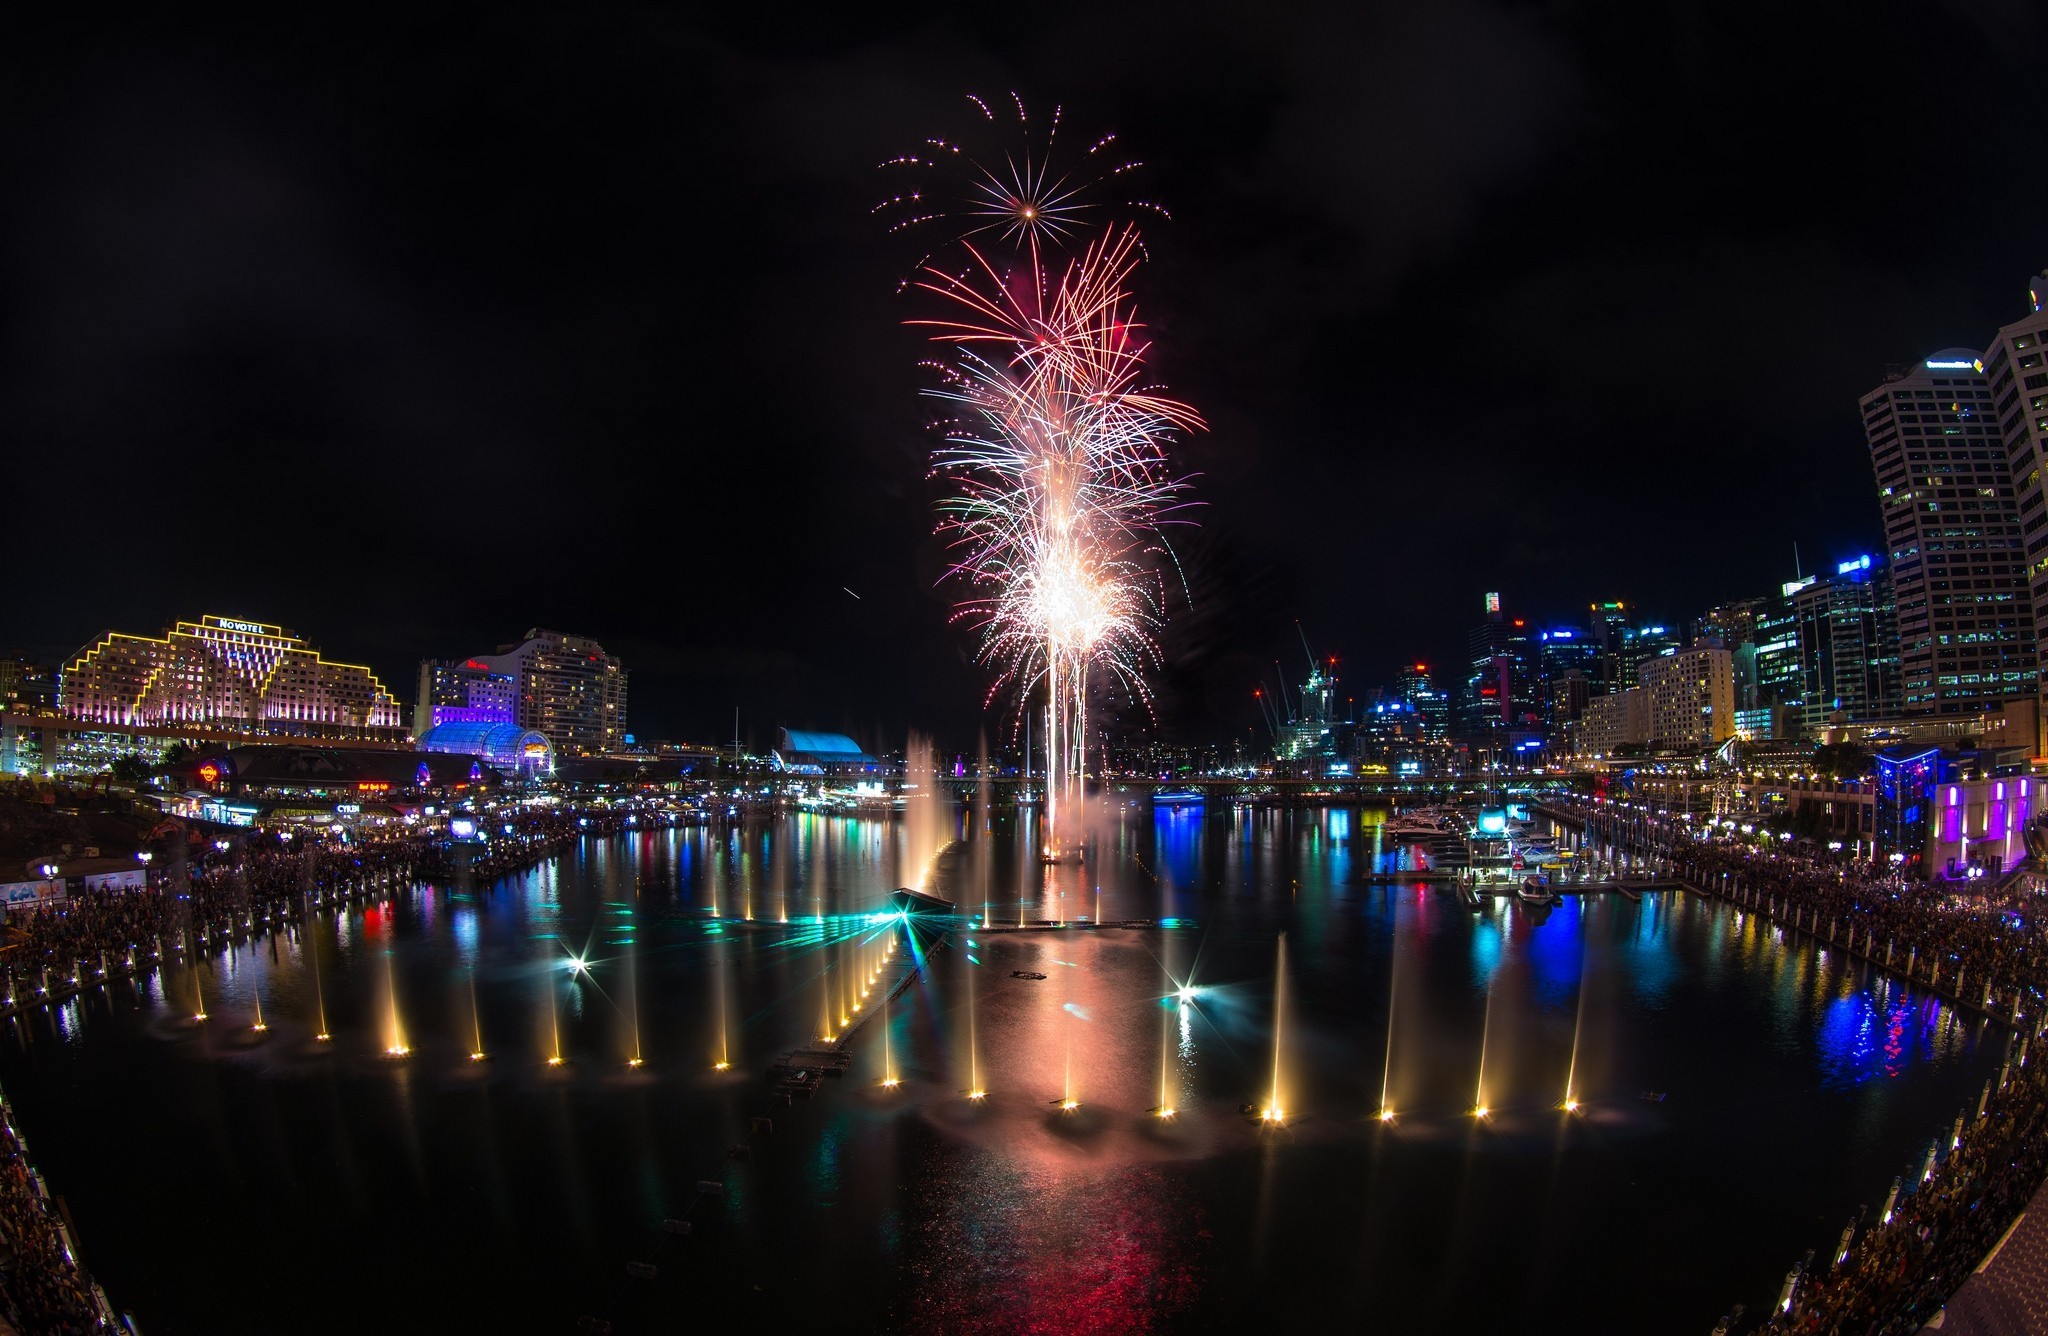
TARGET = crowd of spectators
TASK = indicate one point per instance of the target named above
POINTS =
(265, 877)
(216, 887)
(42, 1288)
(1988, 947)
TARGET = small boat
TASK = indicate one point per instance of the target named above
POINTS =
(1026, 974)
(1533, 892)
(919, 902)
(1179, 798)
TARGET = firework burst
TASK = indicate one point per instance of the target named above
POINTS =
(1011, 177)
(1054, 445)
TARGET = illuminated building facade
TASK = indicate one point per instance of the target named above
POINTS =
(1905, 793)
(1432, 707)
(1689, 696)
(1977, 828)
(1733, 627)
(2016, 370)
(465, 691)
(1501, 690)
(1566, 662)
(1615, 720)
(1848, 630)
(1952, 525)
(224, 673)
(505, 747)
(568, 690)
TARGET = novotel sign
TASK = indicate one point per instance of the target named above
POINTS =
(254, 628)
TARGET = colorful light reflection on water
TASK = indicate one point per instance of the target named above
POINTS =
(510, 1192)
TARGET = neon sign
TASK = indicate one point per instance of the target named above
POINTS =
(209, 772)
(255, 628)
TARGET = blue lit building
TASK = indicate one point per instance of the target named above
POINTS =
(1905, 797)
(805, 752)
(1567, 663)
(506, 748)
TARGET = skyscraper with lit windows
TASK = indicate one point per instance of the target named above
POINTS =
(2016, 370)
(1952, 527)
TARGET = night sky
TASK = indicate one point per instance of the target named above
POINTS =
(411, 335)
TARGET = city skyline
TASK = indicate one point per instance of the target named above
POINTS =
(977, 670)
(280, 275)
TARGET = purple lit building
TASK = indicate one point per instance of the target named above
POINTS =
(463, 691)
(1977, 827)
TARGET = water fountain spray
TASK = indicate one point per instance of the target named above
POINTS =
(1276, 1107)
(319, 993)
(1479, 1109)
(554, 1022)
(889, 1081)
(394, 1033)
(1166, 1014)
(476, 1021)
(633, 1005)
(1386, 1114)
(724, 1062)
(974, 1087)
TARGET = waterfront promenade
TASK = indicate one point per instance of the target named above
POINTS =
(1892, 1272)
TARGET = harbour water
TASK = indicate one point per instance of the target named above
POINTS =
(225, 1179)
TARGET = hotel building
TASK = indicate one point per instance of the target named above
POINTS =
(224, 673)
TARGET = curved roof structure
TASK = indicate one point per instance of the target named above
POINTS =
(824, 746)
(806, 751)
(502, 746)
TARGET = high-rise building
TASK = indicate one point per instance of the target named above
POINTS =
(569, 690)
(222, 672)
(1732, 626)
(1780, 676)
(2016, 370)
(1621, 644)
(1690, 694)
(1431, 706)
(1848, 629)
(1952, 528)
(1500, 684)
(1610, 635)
(466, 691)
(1567, 662)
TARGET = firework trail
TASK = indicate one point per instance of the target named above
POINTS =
(1053, 445)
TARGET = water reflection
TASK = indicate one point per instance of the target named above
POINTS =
(528, 1177)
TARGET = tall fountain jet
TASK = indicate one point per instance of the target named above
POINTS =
(394, 1031)
(1276, 1101)
(928, 827)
